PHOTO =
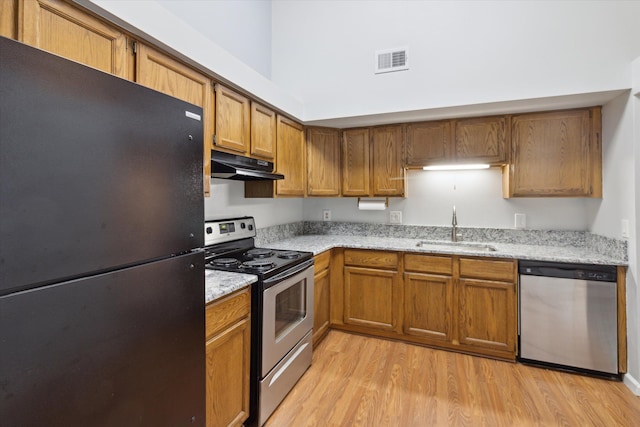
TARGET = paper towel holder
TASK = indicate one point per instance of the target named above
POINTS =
(374, 204)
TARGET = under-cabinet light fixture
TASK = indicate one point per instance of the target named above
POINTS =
(455, 167)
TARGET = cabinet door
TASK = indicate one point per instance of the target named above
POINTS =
(160, 72)
(232, 120)
(487, 316)
(428, 306)
(370, 298)
(291, 157)
(9, 18)
(482, 140)
(387, 146)
(323, 162)
(355, 163)
(60, 28)
(551, 154)
(320, 305)
(228, 360)
(263, 132)
(428, 143)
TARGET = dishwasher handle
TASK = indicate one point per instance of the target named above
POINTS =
(597, 273)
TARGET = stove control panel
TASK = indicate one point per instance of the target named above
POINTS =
(224, 230)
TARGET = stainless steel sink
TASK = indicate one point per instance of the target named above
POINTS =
(457, 245)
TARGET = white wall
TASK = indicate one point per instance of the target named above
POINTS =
(151, 20)
(227, 201)
(477, 196)
(243, 28)
(460, 53)
(621, 165)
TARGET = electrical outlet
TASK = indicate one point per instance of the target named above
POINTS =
(625, 229)
(326, 215)
(520, 221)
(395, 217)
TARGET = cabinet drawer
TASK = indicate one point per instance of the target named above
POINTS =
(503, 270)
(428, 264)
(369, 258)
(225, 312)
(321, 261)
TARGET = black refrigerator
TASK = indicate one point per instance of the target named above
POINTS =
(101, 266)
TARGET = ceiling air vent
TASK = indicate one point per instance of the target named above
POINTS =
(389, 60)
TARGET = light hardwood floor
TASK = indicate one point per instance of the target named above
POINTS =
(362, 381)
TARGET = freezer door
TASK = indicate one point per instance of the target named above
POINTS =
(118, 349)
(95, 172)
(569, 322)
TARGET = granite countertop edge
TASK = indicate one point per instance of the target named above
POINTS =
(221, 283)
(570, 254)
(218, 284)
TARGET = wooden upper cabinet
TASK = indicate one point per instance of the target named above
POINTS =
(482, 139)
(323, 162)
(428, 143)
(356, 175)
(291, 157)
(387, 145)
(9, 18)
(556, 154)
(161, 72)
(263, 132)
(62, 29)
(232, 121)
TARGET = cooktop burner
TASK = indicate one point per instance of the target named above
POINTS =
(262, 264)
(225, 262)
(289, 255)
(259, 253)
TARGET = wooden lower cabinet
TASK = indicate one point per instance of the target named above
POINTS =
(369, 298)
(487, 315)
(321, 305)
(428, 302)
(228, 356)
(461, 303)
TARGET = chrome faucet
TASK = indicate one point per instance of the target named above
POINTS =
(454, 226)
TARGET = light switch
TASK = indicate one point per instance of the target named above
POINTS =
(520, 221)
(625, 229)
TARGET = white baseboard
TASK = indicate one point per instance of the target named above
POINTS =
(632, 383)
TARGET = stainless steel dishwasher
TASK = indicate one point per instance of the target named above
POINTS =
(568, 316)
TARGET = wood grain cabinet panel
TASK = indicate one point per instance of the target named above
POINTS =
(321, 307)
(370, 298)
(428, 143)
(356, 175)
(388, 174)
(323, 162)
(487, 316)
(482, 140)
(161, 72)
(60, 28)
(371, 258)
(556, 154)
(9, 19)
(263, 132)
(291, 155)
(228, 357)
(233, 132)
(428, 309)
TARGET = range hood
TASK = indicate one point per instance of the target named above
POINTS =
(240, 168)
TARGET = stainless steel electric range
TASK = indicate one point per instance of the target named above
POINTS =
(281, 309)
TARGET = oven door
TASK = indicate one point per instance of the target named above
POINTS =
(287, 313)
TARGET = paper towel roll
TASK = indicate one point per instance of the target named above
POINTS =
(372, 205)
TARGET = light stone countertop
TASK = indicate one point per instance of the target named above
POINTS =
(218, 284)
(221, 283)
(570, 254)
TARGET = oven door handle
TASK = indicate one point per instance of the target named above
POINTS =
(289, 273)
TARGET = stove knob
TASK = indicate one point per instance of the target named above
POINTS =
(242, 225)
(250, 227)
(209, 230)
